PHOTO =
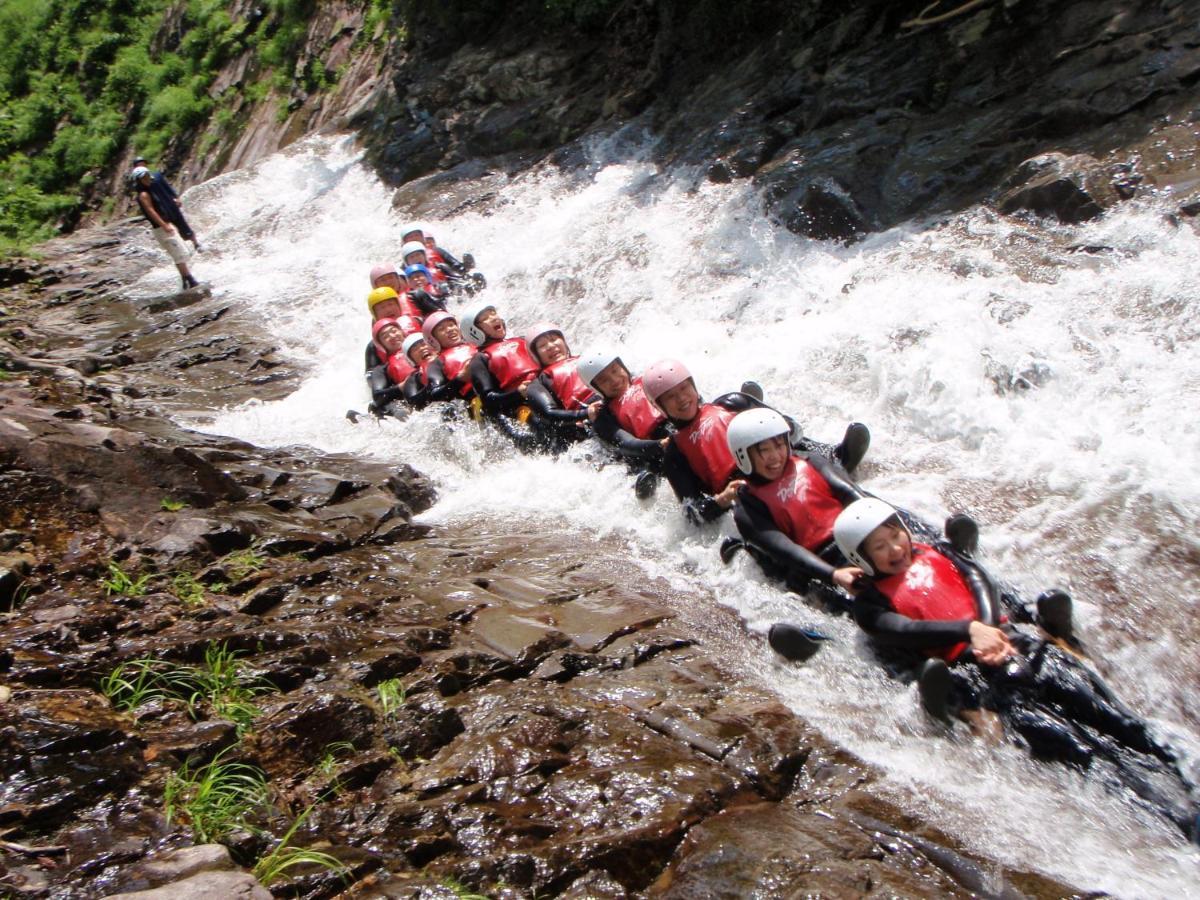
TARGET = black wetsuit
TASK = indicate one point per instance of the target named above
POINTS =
(495, 401)
(428, 302)
(556, 427)
(796, 565)
(439, 387)
(641, 453)
(1058, 706)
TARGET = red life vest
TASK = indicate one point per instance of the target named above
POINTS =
(635, 413)
(931, 588)
(509, 361)
(433, 256)
(566, 384)
(801, 504)
(702, 443)
(454, 363)
(399, 368)
(409, 308)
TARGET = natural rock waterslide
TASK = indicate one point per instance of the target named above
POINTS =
(442, 707)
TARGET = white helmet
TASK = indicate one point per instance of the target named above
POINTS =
(412, 227)
(466, 321)
(411, 247)
(592, 364)
(855, 523)
(748, 428)
(409, 342)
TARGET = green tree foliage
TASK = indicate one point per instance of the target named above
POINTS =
(84, 81)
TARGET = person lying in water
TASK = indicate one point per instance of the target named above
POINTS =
(944, 606)
(503, 369)
(697, 461)
(423, 291)
(447, 377)
(558, 396)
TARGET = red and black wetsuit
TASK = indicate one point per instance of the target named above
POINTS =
(791, 518)
(447, 375)
(633, 425)
(558, 395)
(497, 372)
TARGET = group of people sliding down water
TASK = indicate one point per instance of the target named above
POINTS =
(932, 612)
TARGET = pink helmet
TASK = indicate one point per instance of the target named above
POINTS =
(432, 322)
(380, 270)
(662, 376)
(536, 331)
(377, 327)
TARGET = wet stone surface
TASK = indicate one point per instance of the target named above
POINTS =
(443, 709)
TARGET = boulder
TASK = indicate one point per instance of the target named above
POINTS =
(204, 886)
(1071, 189)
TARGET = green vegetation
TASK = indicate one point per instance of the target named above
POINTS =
(244, 563)
(216, 799)
(121, 582)
(391, 696)
(170, 504)
(461, 891)
(220, 684)
(272, 866)
(329, 760)
(187, 588)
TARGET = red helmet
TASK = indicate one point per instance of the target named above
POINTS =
(432, 322)
(377, 327)
(662, 376)
(536, 331)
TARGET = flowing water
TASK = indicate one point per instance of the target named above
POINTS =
(1042, 378)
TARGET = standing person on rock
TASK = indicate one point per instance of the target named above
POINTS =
(160, 208)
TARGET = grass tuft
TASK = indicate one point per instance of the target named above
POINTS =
(391, 696)
(216, 799)
(272, 867)
(121, 582)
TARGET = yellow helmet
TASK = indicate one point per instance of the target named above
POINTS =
(379, 295)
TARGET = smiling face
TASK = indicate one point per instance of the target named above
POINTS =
(416, 258)
(420, 352)
(889, 548)
(613, 380)
(418, 280)
(447, 334)
(391, 337)
(550, 348)
(388, 309)
(681, 402)
(392, 280)
(490, 323)
(769, 457)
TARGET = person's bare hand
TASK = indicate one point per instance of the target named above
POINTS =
(845, 578)
(594, 410)
(726, 497)
(523, 390)
(991, 645)
(664, 442)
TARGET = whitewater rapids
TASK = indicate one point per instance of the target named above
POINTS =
(1042, 378)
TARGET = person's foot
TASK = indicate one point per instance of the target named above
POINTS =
(645, 485)
(1054, 613)
(854, 445)
(962, 533)
(753, 389)
(793, 642)
(729, 548)
(933, 684)
(468, 262)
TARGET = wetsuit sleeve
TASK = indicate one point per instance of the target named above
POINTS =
(840, 483)
(983, 587)
(438, 385)
(738, 402)
(698, 505)
(451, 260)
(486, 388)
(608, 429)
(758, 528)
(383, 391)
(414, 390)
(370, 357)
(546, 406)
(426, 302)
(874, 614)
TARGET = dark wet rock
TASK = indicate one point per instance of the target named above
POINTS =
(184, 739)
(205, 886)
(64, 751)
(294, 731)
(1069, 188)
(595, 885)
(421, 728)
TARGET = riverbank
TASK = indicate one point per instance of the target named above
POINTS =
(452, 706)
